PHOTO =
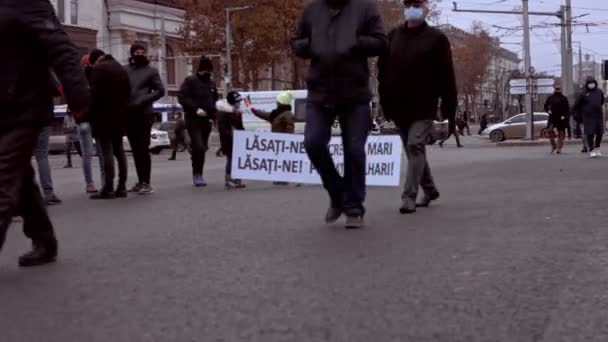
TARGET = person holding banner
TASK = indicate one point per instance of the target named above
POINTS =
(339, 36)
(414, 74)
(281, 119)
(230, 118)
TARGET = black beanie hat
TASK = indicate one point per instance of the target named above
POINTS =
(234, 98)
(136, 47)
(95, 55)
(205, 64)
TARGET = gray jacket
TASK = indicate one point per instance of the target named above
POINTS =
(146, 88)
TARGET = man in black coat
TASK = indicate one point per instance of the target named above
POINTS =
(32, 43)
(415, 73)
(589, 109)
(146, 88)
(197, 96)
(559, 119)
(110, 94)
(339, 36)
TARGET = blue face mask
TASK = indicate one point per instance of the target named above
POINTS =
(414, 14)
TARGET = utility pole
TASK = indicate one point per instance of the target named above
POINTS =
(569, 76)
(580, 64)
(228, 78)
(529, 70)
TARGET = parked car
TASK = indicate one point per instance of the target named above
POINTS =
(515, 127)
(159, 141)
(169, 128)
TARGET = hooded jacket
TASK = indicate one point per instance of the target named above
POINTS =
(281, 119)
(198, 92)
(414, 73)
(110, 95)
(588, 108)
(32, 42)
(339, 36)
(146, 88)
(228, 119)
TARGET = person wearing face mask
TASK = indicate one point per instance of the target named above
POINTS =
(198, 95)
(146, 88)
(559, 117)
(339, 36)
(589, 107)
(415, 73)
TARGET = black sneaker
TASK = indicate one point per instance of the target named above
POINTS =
(354, 221)
(103, 195)
(408, 207)
(51, 199)
(584, 150)
(121, 193)
(333, 215)
(136, 188)
(41, 254)
(145, 189)
(427, 199)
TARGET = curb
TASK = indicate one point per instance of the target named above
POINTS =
(539, 142)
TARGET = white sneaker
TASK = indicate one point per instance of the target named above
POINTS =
(598, 153)
(593, 154)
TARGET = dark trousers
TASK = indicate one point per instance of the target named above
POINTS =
(199, 131)
(111, 147)
(19, 193)
(594, 141)
(347, 192)
(180, 140)
(415, 137)
(139, 138)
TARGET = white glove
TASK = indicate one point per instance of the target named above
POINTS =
(201, 112)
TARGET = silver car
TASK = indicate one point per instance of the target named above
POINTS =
(515, 127)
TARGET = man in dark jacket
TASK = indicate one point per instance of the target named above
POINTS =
(110, 94)
(559, 119)
(414, 74)
(339, 36)
(33, 41)
(146, 88)
(589, 107)
(197, 96)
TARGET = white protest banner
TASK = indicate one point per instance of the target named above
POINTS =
(276, 157)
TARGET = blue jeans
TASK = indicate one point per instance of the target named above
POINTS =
(41, 153)
(347, 192)
(86, 144)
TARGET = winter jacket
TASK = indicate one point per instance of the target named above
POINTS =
(339, 42)
(559, 110)
(281, 119)
(414, 73)
(198, 92)
(33, 42)
(589, 109)
(146, 88)
(110, 95)
(228, 119)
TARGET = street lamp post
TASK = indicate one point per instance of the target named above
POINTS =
(228, 78)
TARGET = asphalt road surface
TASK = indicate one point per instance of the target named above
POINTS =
(515, 250)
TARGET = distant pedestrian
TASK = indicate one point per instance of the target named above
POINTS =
(87, 146)
(229, 119)
(589, 105)
(146, 88)
(70, 132)
(108, 115)
(483, 124)
(339, 36)
(198, 95)
(281, 119)
(415, 73)
(462, 123)
(559, 117)
(32, 42)
(180, 137)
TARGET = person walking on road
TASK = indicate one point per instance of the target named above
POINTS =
(146, 88)
(70, 132)
(414, 74)
(483, 124)
(198, 95)
(559, 117)
(339, 36)
(33, 42)
(229, 119)
(108, 115)
(281, 119)
(180, 137)
(589, 107)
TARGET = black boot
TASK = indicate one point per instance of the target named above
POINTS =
(41, 254)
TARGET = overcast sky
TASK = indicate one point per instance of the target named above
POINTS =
(545, 41)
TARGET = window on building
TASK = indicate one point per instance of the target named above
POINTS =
(61, 11)
(74, 12)
(170, 65)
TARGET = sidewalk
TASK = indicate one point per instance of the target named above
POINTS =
(536, 142)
